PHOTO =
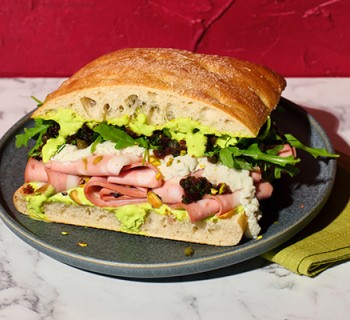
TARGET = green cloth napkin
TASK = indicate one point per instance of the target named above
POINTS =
(326, 240)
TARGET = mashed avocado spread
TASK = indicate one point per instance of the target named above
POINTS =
(36, 200)
(69, 123)
(130, 216)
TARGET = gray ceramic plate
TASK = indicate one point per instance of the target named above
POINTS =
(294, 204)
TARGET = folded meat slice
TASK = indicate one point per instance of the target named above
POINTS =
(94, 165)
(263, 189)
(62, 181)
(104, 194)
(130, 186)
(226, 202)
(170, 192)
(35, 171)
(138, 174)
(210, 205)
(287, 151)
(199, 210)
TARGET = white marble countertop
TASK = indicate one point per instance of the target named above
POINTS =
(34, 286)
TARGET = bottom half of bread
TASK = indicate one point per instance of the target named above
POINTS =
(219, 232)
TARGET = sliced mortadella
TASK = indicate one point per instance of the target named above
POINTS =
(263, 189)
(200, 209)
(95, 165)
(287, 151)
(103, 194)
(111, 191)
(138, 175)
(226, 202)
(35, 171)
(61, 181)
(171, 191)
(256, 175)
(210, 205)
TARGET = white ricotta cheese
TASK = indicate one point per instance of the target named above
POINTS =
(171, 167)
(70, 152)
(236, 180)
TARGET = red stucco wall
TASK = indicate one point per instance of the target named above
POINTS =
(294, 37)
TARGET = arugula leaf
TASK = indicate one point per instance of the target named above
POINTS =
(294, 142)
(253, 151)
(263, 152)
(142, 142)
(114, 134)
(265, 130)
(39, 103)
(119, 137)
(98, 140)
(249, 156)
(226, 157)
(38, 131)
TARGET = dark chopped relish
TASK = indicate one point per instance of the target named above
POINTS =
(28, 189)
(223, 188)
(211, 141)
(84, 137)
(52, 132)
(131, 133)
(196, 188)
(164, 145)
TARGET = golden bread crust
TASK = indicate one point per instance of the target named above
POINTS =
(240, 90)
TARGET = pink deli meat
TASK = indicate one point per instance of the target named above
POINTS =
(264, 188)
(139, 174)
(118, 180)
(170, 192)
(62, 181)
(209, 205)
(96, 165)
(103, 194)
(35, 171)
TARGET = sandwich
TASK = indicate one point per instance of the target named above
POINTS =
(158, 142)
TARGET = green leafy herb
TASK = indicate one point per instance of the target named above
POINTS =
(98, 140)
(247, 159)
(40, 133)
(253, 151)
(36, 132)
(39, 103)
(265, 130)
(263, 151)
(226, 157)
(294, 142)
(119, 136)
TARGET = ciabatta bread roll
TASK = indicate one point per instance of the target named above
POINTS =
(137, 141)
(230, 95)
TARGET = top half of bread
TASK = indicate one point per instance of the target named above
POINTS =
(224, 93)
